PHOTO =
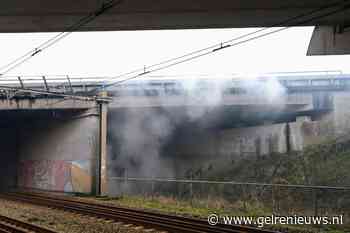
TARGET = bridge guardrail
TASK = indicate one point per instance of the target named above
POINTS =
(234, 86)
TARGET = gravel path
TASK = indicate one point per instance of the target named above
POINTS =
(61, 221)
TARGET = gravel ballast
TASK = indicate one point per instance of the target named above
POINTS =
(61, 221)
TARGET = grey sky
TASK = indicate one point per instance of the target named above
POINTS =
(113, 53)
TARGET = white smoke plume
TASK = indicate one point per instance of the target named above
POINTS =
(137, 135)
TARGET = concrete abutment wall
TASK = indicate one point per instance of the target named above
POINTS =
(51, 153)
(59, 155)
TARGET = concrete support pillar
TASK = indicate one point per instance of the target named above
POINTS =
(102, 183)
(329, 40)
(288, 138)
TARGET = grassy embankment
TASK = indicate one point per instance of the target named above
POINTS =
(325, 164)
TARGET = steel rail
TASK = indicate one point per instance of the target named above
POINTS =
(10, 225)
(147, 219)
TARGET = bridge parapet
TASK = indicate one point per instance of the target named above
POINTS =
(233, 85)
(16, 86)
(271, 89)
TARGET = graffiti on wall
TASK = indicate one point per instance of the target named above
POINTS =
(55, 175)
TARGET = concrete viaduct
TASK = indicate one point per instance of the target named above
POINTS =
(63, 144)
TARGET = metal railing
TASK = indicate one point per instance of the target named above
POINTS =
(282, 199)
(169, 86)
(57, 83)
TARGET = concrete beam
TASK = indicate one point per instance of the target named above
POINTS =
(328, 40)
(49, 16)
(48, 103)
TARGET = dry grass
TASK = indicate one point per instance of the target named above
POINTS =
(202, 208)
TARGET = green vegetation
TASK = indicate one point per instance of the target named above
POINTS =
(202, 209)
(326, 164)
(196, 208)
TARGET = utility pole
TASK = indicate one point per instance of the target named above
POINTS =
(102, 179)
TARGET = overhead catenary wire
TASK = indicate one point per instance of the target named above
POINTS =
(300, 20)
(50, 42)
(172, 62)
(283, 23)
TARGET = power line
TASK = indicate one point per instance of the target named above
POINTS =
(205, 51)
(83, 21)
(236, 38)
(344, 5)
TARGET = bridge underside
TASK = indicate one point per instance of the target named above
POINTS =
(54, 16)
(328, 40)
(43, 16)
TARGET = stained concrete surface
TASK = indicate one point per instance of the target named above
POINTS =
(50, 150)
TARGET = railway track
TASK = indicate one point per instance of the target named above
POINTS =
(10, 225)
(170, 223)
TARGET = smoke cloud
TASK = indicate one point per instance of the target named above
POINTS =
(140, 134)
(137, 135)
